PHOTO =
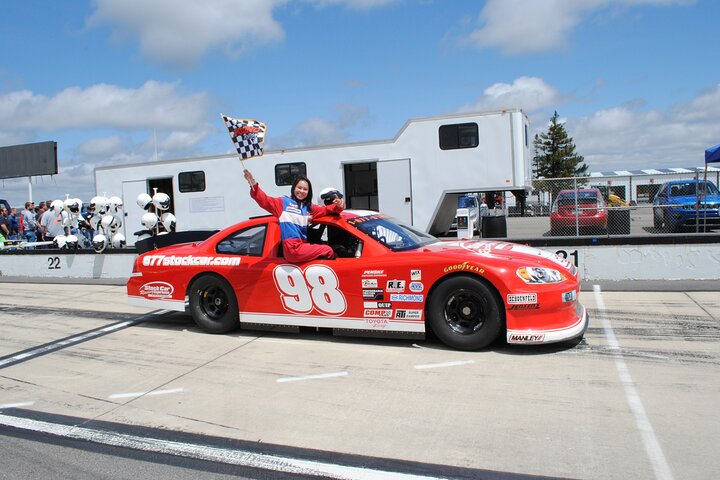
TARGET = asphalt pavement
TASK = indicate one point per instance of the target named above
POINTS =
(79, 367)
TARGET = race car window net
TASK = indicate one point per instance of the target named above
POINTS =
(392, 234)
(249, 241)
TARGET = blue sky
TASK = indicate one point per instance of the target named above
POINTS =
(636, 81)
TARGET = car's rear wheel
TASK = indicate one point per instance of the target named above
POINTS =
(464, 313)
(213, 304)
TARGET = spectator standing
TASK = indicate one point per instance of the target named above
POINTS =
(52, 225)
(14, 224)
(29, 233)
(39, 212)
(4, 224)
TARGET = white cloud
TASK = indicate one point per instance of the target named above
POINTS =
(180, 33)
(319, 131)
(353, 4)
(154, 105)
(529, 93)
(617, 138)
(530, 26)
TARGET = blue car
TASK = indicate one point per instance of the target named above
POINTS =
(683, 203)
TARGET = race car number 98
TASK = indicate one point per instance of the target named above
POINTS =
(315, 288)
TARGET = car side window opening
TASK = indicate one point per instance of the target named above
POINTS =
(249, 241)
(343, 243)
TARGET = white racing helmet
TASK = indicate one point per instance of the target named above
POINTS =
(60, 242)
(115, 204)
(71, 241)
(149, 220)
(72, 205)
(144, 201)
(100, 242)
(57, 206)
(95, 222)
(111, 223)
(161, 201)
(329, 194)
(118, 240)
(168, 221)
(99, 205)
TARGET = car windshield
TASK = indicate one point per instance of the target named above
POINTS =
(689, 188)
(391, 232)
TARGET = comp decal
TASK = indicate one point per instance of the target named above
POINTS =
(377, 313)
(189, 261)
(315, 288)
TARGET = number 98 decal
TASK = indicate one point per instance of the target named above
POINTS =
(315, 288)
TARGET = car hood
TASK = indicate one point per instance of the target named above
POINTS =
(500, 250)
(692, 200)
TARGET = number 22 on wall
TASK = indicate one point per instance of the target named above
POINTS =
(314, 288)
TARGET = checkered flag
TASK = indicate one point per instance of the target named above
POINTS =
(248, 136)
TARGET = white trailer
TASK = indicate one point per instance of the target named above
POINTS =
(416, 177)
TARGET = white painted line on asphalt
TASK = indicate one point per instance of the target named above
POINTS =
(243, 458)
(444, 364)
(312, 377)
(75, 339)
(115, 396)
(17, 405)
(652, 446)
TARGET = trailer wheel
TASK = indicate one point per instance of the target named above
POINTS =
(213, 304)
(464, 313)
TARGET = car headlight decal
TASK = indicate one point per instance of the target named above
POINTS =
(537, 275)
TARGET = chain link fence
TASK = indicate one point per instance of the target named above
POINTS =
(629, 205)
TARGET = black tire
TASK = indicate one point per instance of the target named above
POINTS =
(213, 304)
(657, 222)
(465, 313)
(670, 226)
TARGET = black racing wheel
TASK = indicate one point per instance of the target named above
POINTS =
(213, 304)
(465, 313)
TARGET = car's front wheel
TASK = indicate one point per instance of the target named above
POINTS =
(213, 304)
(465, 313)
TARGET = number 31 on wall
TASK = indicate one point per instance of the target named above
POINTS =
(315, 288)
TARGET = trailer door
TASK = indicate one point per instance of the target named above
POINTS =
(133, 213)
(395, 189)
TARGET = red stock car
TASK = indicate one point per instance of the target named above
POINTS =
(388, 278)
